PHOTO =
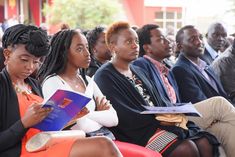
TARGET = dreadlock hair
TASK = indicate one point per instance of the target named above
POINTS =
(56, 61)
(35, 39)
(93, 35)
(144, 36)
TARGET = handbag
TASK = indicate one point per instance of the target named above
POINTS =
(103, 131)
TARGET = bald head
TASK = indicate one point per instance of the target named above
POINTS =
(216, 35)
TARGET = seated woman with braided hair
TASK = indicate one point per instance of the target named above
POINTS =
(69, 53)
(20, 107)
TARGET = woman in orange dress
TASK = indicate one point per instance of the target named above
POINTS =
(21, 96)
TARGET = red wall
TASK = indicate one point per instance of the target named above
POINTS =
(12, 8)
(150, 14)
(1, 13)
(177, 9)
(135, 11)
(139, 15)
(34, 6)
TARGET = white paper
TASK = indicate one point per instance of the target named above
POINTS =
(187, 109)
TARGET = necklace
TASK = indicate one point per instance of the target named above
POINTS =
(22, 88)
(79, 82)
(76, 83)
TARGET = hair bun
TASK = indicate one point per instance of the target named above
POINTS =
(38, 37)
(38, 42)
(34, 39)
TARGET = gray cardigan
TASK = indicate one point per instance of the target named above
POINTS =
(224, 67)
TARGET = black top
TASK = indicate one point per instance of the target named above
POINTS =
(11, 127)
(134, 127)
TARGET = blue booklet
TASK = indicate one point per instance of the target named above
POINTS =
(66, 105)
(185, 108)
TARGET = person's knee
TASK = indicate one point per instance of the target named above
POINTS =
(190, 147)
(202, 142)
(95, 146)
(219, 104)
(108, 146)
(204, 147)
(220, 100)
(104, 141)
(185, 149)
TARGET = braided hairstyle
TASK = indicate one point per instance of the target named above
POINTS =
(35, 39)
(92, 36)
(56, 61)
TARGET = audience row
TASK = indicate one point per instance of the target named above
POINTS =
(122, 70)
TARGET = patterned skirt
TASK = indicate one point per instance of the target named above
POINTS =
(163, 142)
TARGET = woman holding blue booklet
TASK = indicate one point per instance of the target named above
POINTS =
(69, 53)
(21, 97)
(61, 71)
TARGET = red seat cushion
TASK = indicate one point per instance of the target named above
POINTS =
(133, 150)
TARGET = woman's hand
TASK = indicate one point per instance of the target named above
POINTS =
(102, 104)
(34, 114)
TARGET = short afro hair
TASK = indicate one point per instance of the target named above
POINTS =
(113, 30)
(144, 36)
